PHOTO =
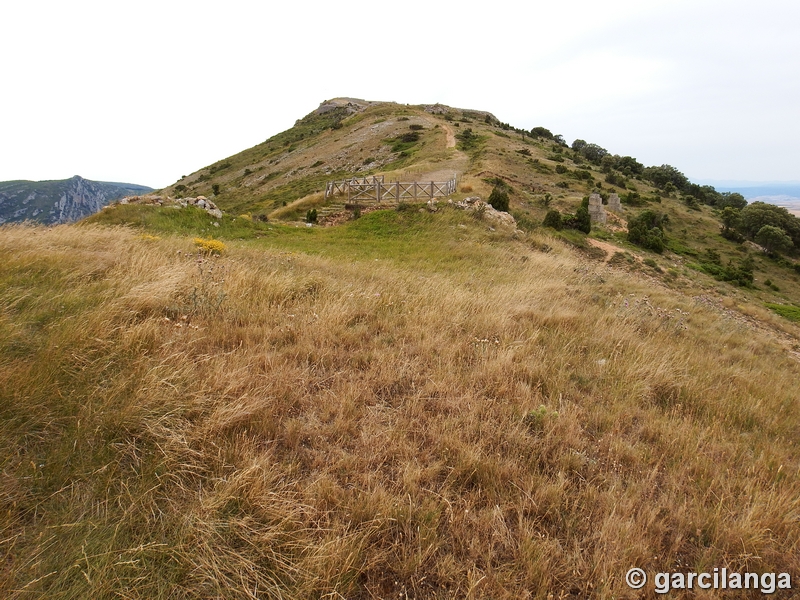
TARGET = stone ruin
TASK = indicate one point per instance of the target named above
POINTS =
(597, 212)
(155, 200)
(614, 204)
(475, 204)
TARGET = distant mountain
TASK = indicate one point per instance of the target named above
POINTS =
(59, 201)
(757, 189)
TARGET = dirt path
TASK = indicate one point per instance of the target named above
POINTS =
(451, 136)
(609, 249)
(443, 170)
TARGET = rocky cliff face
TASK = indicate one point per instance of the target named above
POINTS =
(62, 201)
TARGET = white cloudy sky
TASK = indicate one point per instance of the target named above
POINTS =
(147, 91)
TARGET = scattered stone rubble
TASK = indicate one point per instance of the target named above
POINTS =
(155, 200)
(474, 203)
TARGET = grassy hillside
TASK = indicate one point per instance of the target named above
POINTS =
(412, 404)
(282, 178)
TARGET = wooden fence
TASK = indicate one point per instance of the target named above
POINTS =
(375, 189)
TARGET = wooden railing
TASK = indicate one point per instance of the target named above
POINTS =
(375, 189)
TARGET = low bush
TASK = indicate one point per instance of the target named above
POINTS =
(553, 219)
(209, 246)
(787, 311)
(646, 231)
(498, 199)
(615, 179)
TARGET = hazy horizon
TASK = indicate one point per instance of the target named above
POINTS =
(151, 92)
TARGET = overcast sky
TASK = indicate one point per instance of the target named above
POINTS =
(145, 92)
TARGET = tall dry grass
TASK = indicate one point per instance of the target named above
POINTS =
(530, 428)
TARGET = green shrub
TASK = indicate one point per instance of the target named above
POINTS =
(631, 199)
(732, 235)
(758, 214)
(787, 311)
(615, 179)
(541, 132)
(561, 169)
(773, 239)
(584, 219)
(580, 221)
(311, 215)
(732, 199)
(652, 264)
(691, 202)
(524, 221)
(553, 219)
(468, 140)
(409, 137)
(741, 273)
(536, 419)
(499, 199)
(646, 231)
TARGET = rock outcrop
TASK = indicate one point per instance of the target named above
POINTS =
(156, 200)
(59, 201)
(475, 204)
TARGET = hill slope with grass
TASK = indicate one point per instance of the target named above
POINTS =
(420, 402)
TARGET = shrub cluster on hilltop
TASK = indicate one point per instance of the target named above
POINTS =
(772, 227)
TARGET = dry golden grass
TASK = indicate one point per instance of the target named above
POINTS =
(276, 425)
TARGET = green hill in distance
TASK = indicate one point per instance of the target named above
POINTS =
(410, 399)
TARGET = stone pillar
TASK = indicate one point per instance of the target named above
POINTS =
(597, 211)
(614, 204)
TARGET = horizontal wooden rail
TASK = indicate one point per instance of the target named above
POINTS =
(375, 189)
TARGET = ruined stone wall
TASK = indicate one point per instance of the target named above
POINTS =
(597, 211)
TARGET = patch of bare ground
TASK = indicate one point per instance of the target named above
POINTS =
(609, 249)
